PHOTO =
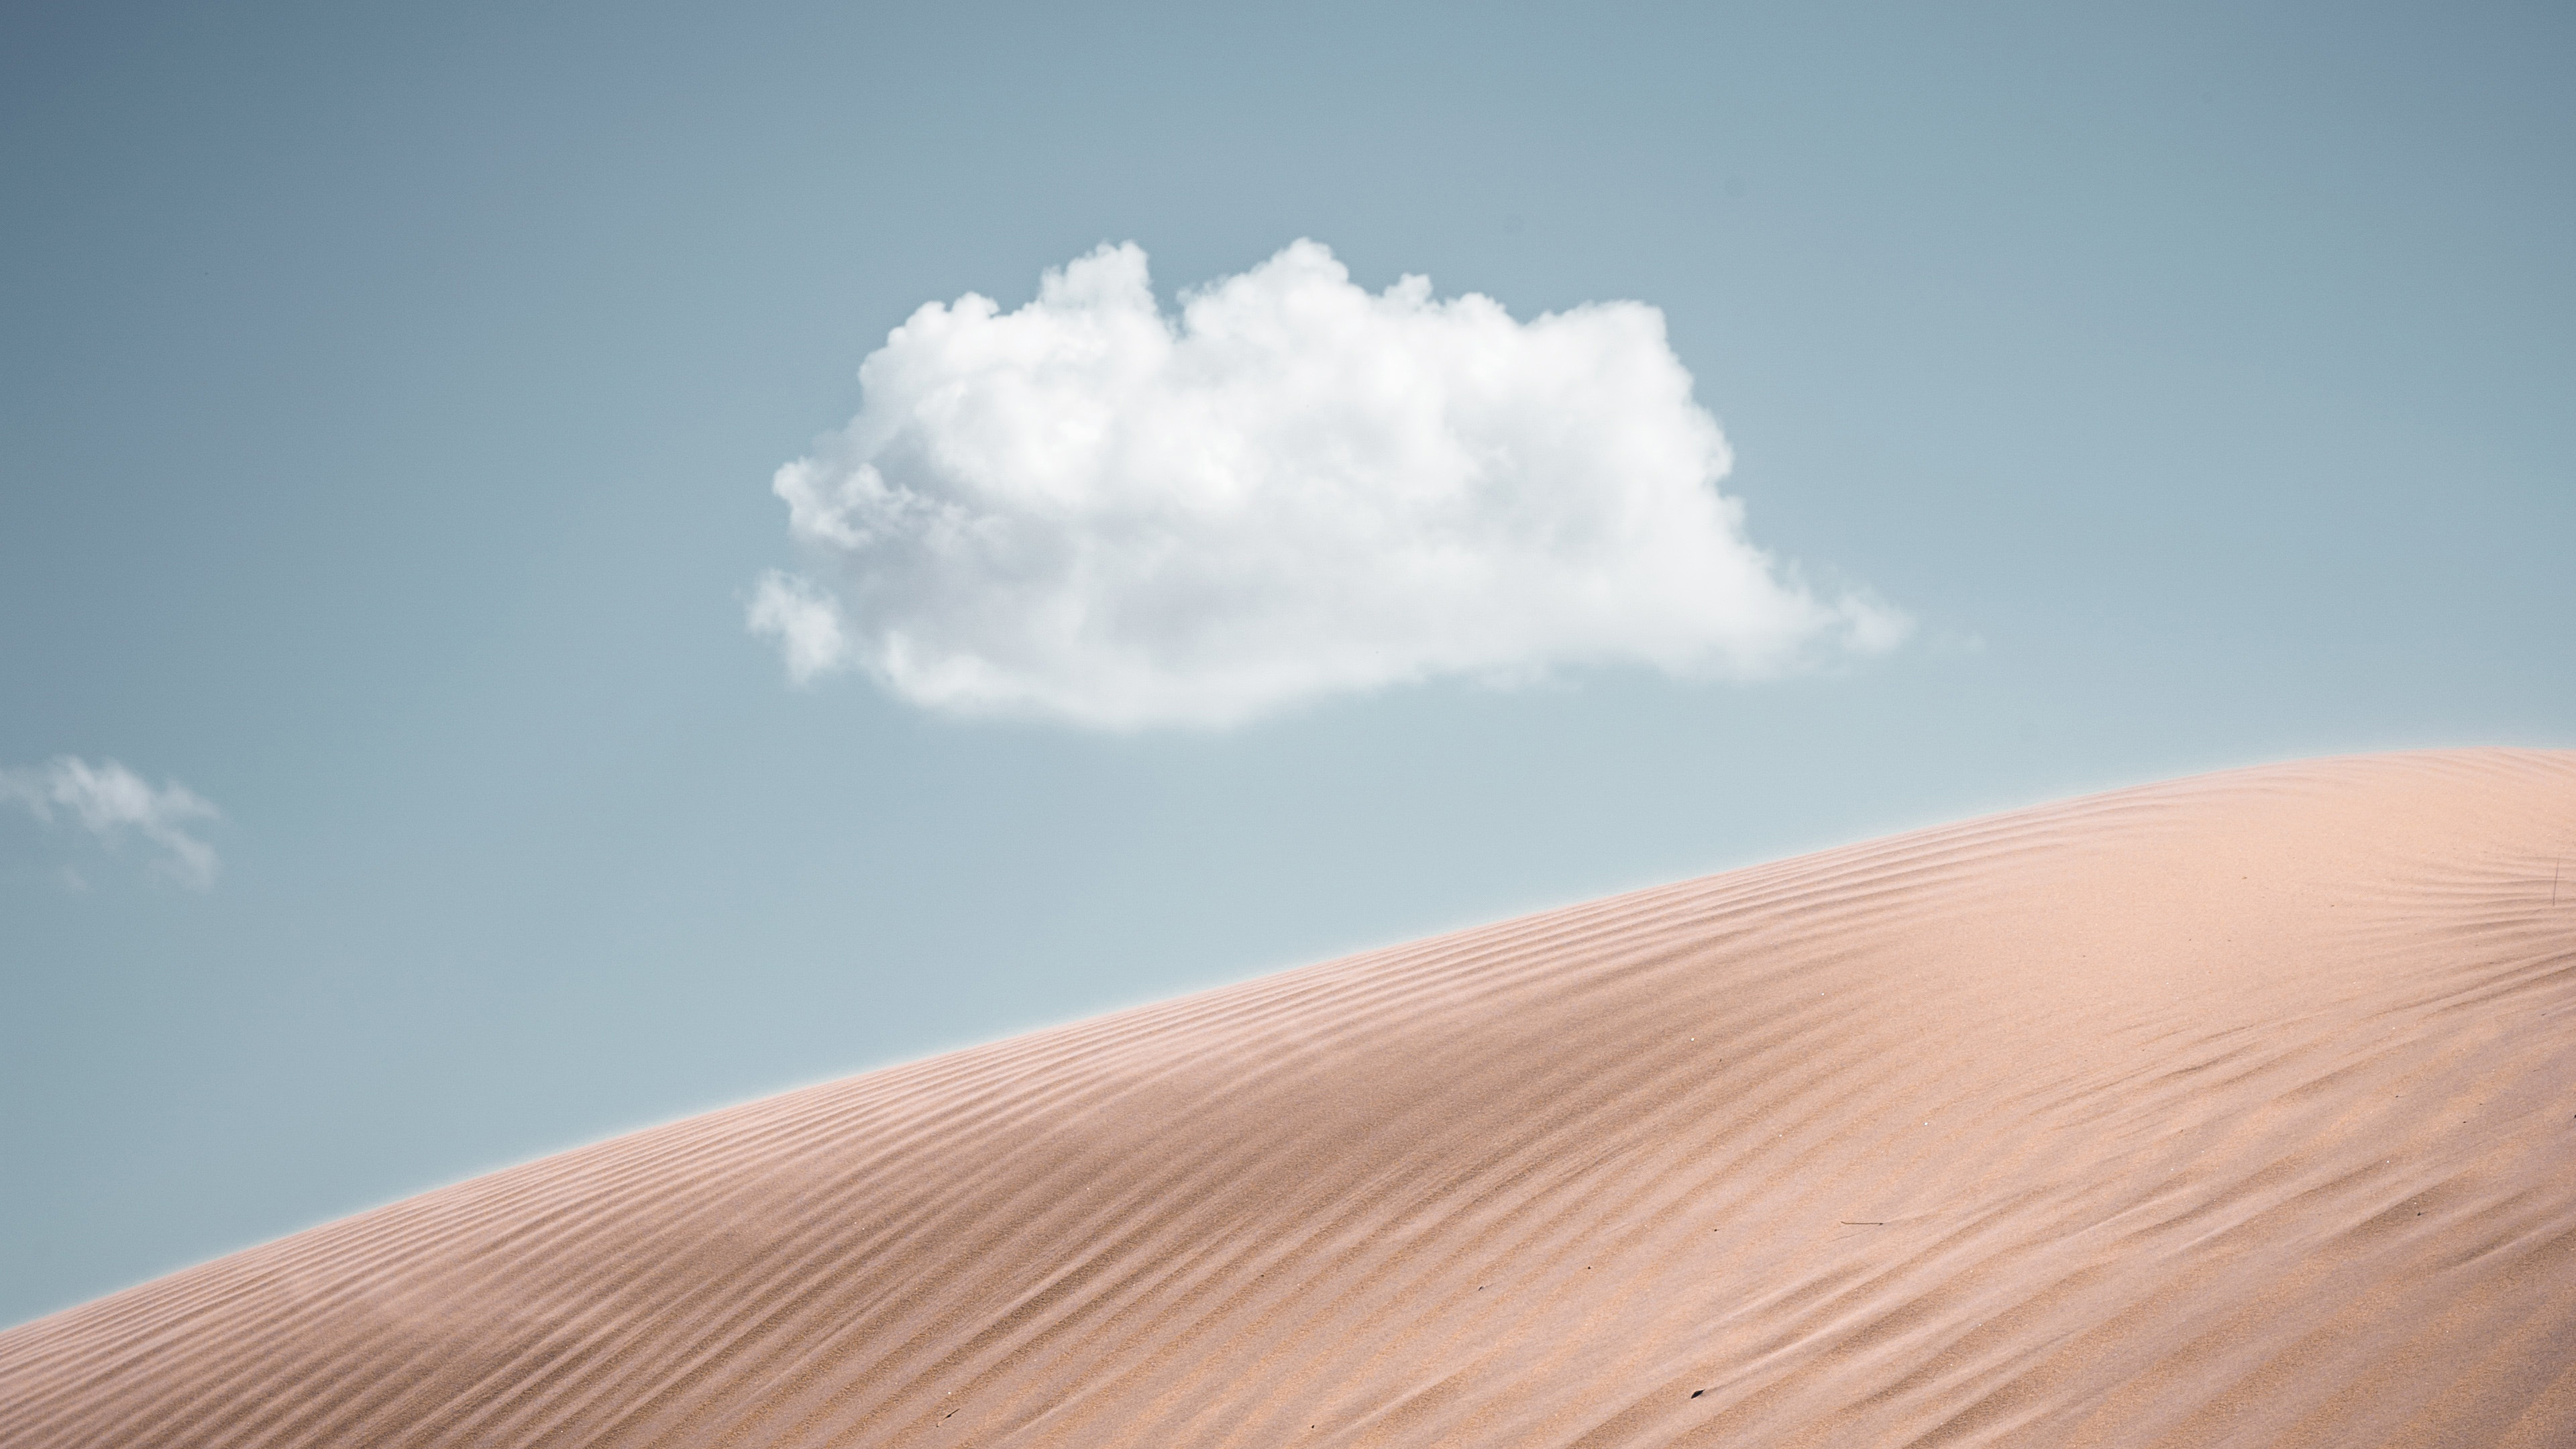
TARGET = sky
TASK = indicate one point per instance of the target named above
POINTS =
(483, 668)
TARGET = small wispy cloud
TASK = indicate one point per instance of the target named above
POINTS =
(806, 622)
(112, 803)
(1090, 511)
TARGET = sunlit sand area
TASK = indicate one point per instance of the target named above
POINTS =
(2236, 1110)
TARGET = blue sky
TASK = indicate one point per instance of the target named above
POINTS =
(393, 400)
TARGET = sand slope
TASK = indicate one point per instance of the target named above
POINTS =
(2240, 1110)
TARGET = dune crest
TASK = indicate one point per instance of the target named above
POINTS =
(2236, 1110)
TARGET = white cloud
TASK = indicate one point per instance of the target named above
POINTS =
(109, 800)
(1090, 511)
(806, 622)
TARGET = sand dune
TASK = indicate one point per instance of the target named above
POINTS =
(2239, 1110)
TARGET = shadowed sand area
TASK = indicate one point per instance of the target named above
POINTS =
(2237, 1110)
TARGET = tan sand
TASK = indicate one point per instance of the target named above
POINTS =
(2240, 1110)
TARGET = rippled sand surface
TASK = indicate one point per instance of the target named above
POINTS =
(2237, 1110)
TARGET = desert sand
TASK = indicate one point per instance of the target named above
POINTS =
(2236, 1110)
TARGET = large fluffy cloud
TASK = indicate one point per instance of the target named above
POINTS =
(1092, 511)
(110, 802)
